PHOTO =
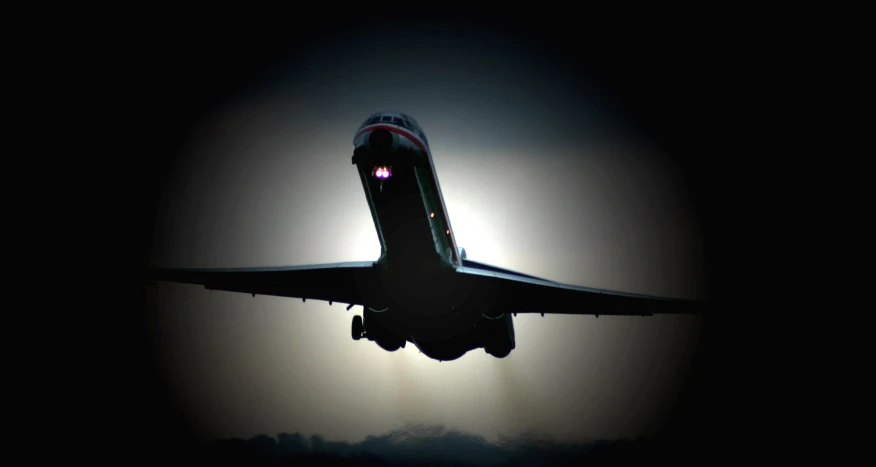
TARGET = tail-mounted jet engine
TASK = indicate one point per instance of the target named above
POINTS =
(496, 334)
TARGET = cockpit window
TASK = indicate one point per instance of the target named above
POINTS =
(373, 120)
(386, 118)
(397, 121)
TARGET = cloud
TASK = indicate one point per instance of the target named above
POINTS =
(424, 445)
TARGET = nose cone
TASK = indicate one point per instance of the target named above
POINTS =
(380, 140)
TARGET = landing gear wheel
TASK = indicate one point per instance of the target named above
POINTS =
(357, 327)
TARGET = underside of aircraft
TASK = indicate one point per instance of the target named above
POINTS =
(444, 314)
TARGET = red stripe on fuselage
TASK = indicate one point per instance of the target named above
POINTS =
(407, 134)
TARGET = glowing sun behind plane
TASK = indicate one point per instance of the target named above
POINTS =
(258, 185)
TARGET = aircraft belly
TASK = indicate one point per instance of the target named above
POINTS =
(424, 313)
(423, 299)
(407, 207)
(397, 205)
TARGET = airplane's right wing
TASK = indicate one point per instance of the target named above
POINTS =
(334, 282)
(522, 293)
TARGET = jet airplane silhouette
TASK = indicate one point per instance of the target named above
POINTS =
(422, 289)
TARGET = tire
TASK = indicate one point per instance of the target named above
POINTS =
(357, 328)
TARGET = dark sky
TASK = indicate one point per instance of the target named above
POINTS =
(576, 156)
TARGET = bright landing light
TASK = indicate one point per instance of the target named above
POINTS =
(382, 173)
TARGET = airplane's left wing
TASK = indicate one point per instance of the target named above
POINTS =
(522, 293)
(333, 282)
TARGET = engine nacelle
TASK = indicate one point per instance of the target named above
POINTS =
(497, 335)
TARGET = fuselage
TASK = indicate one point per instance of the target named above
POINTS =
(409, 202)
(419, 299)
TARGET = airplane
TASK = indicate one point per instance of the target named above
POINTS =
(422, 289)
